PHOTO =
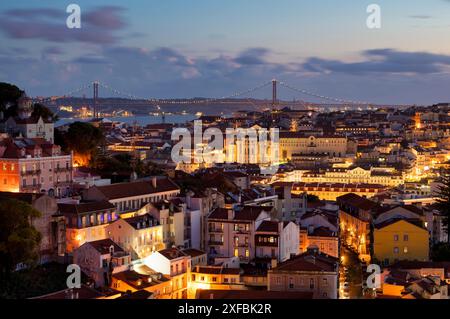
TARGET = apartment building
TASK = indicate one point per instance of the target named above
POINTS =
(86, 222)
(34, 165)
(139, 235)
(308, 272)
(231, 232)
(129, 197)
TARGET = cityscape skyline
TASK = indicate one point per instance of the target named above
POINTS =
(211, 49)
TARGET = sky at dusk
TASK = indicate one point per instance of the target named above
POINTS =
(213, 48)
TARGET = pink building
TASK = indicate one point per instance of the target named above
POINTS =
(34, 165)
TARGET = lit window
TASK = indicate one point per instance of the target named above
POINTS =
(405, 250)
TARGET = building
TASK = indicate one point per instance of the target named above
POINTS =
(214, 277)
(400, 239)
(27, 125)
(232, 232)
(276, 240)
(174, 263)
(86, 222)
(34, 166)
(129, 197)
(139, 235)
(147, 280)
(321, 238)
(51, 225)
(331, 191)
(293, 143)
(355, 218)
(308, 272)
(100, 259)
(357, 175)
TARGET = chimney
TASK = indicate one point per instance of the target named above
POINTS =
(273, 263)
(154, 181)
(230, 214)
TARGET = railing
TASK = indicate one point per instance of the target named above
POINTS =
(215, 230)
(32, 187)
(215, 243)
(63, 169)
(31, 172)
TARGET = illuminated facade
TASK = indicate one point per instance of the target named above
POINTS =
(296, 143)
(140, 235)
(35, 166)
(357, 175)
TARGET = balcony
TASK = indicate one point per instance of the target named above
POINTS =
(241, 245)
(242, 231)
(63, 169)
(63, 184)
(36, 187)
(31, 172)
(215, 230)
(215, 243)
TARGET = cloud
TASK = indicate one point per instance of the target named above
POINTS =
(98, 26)
(253, 56)
(387, 61)
(421, 16)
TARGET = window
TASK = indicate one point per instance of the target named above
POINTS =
(278, 280)
(395, 250)
(247, 253)
(311, 283)
(325, 282)
(236, 253)
(202, 278)
(395, 237)
(214, 279)
(291, 283)
(405, 250)
(405, 237)
(225, 280)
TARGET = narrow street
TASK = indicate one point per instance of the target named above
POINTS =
(350, 275)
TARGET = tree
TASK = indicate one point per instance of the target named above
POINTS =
(443, 201)
(19, 239)
(44, 112)
(83, 139)
(9, 94)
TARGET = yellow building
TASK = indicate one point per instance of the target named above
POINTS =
(331, 191)
(400, 239)
(297, 143)
(357, 175)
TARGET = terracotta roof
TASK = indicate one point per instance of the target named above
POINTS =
(250, 213)
(123, 190)
(82, 208)
(193, 252)
(84, 292)
(140, 294)
(356, 201)
(219, 213)
(268, 226)
(308, 262)
(103, 245)
(172, 253)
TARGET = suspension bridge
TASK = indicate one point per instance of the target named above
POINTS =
(243, 95)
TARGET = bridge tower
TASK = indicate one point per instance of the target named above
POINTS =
(94, 100)
(274, 93)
